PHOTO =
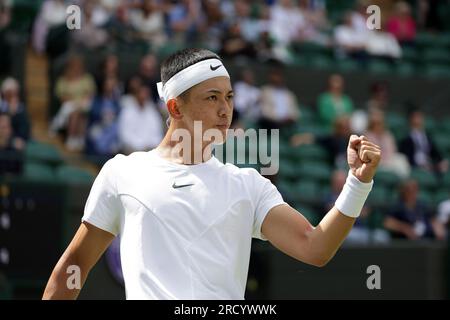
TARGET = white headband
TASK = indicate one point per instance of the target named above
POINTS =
(189, 77)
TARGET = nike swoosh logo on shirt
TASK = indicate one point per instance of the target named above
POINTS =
(175, 186)
(215, 68)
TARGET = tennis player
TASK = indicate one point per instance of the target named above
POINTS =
(185, 219)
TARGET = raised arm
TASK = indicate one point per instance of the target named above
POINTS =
(86, 248)
(290, 232)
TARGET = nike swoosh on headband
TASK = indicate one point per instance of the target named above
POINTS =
(214, 68)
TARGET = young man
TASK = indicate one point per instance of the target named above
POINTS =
(186, 220)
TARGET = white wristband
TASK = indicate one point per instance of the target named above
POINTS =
(353, 196)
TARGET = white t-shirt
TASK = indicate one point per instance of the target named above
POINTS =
(185, 230)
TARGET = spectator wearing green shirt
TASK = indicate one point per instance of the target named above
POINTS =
(334, 103)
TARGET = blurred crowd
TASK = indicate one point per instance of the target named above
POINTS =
(100, 113)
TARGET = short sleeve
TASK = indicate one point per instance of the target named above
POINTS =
(265, 196)
(102, 207)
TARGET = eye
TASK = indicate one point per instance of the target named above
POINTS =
(212, 98)
(230, 97)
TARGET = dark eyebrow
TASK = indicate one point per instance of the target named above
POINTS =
(218, 91)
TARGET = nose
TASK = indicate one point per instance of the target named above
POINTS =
(225, 108)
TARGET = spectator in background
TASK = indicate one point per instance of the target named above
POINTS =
(402, 25)
(335, 143)
(410, 218)
(109, 98)
(12, 105)
(443, 217)
(418, 146)
(183, 19)
(109, 68)
(92, 35)
(378, 102)
(103, 136)
(149, 23)
(132, 88)
(252, 26)
(120, 28)
(361, 231)
(391, 160)
(428, 15)
(334, 103)
(5, 13)
(379, 97)
(235, 45)
(110, 6)
(213, 24)
(11, 154)
(149, 74)
(286, 21)
(349, 40)
(316, 22)
(140, 123)
(51, 14)
(383, 45)
(246, 97)
(279, 107)
(75, 89)
(358, 16)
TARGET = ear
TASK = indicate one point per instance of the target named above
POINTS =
(174, 109)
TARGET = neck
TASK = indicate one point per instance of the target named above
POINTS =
(184, 151)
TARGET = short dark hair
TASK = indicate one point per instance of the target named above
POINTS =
(182, 59)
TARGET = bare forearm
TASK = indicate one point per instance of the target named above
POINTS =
(329, 235)
(63, 283)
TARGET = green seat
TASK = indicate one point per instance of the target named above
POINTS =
(36, 171)
(442, 140)
(347, 65)
(405, 69)
(74, 175)
(426, 197)
(379, 196)
(318, 171)
(307, 191)
(288, 169)
(37, 151)
(446, 181)
(376, 219)
(440, 196)
(425, 40)
(396, 120)
(321, 62)
(425, 179)
(5, 288)
(386, 178)
(437, 71)
(379, 67)
(309, 213)
(444, 125)
(307, 114)
(436, 56)
(310, 152)
(410, 55)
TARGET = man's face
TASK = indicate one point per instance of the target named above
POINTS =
(210, 102)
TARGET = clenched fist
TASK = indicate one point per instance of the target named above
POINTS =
(363, 157)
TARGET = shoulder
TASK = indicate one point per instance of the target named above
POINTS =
(249, 177)
(125, 163)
